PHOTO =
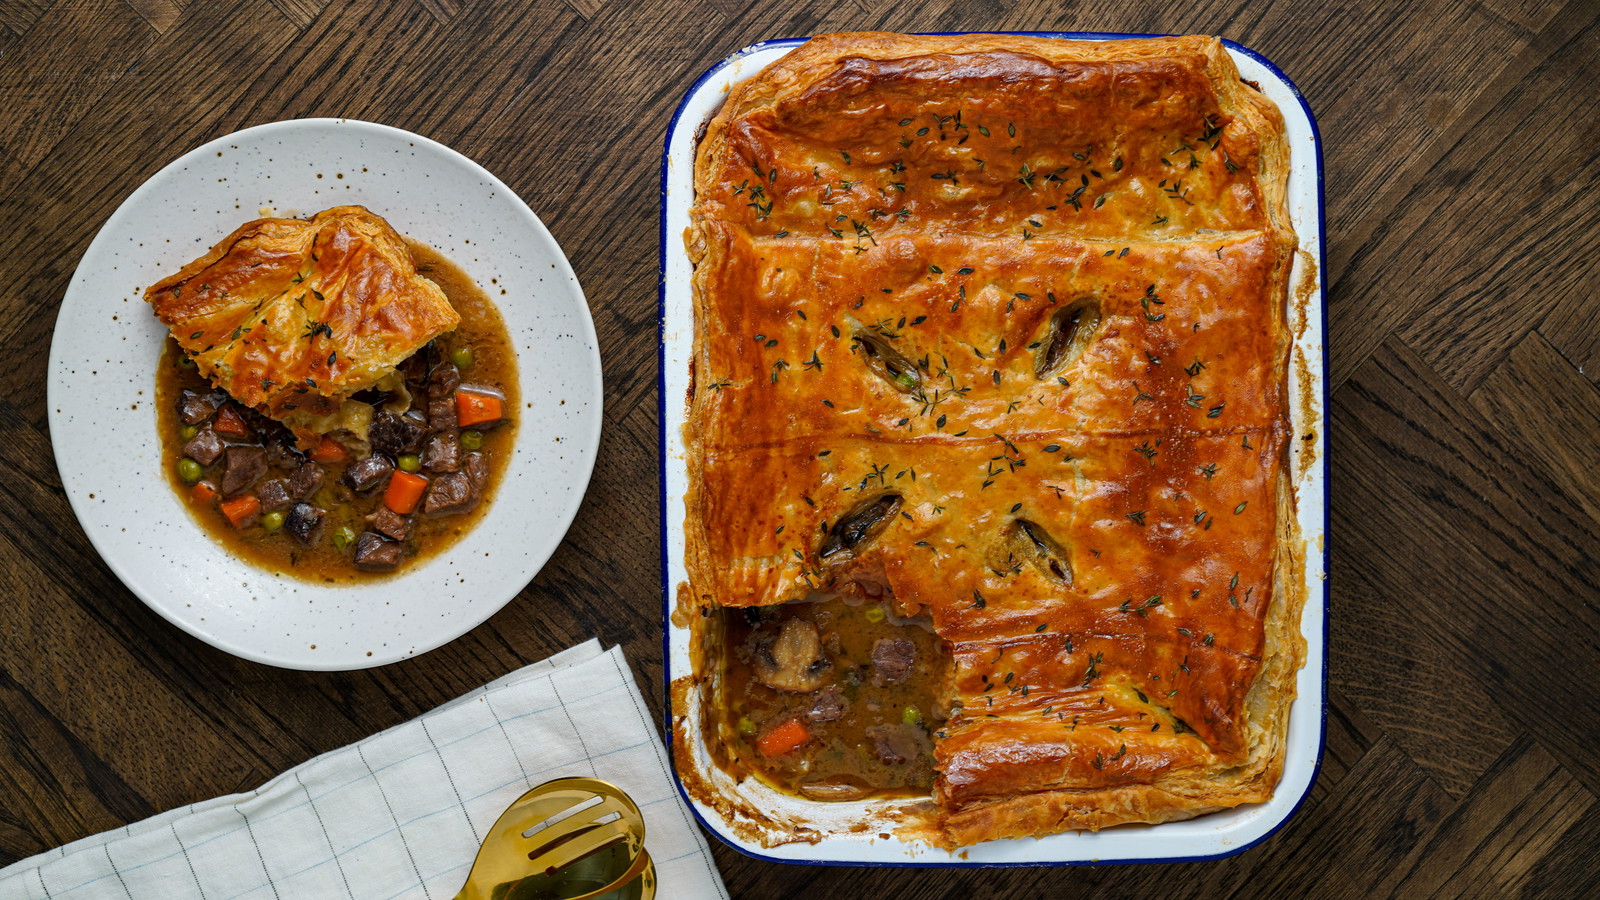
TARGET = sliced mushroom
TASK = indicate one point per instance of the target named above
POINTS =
(857, 527)
(1025, 540)
(887, 362)
(823, 790)
(303, 520)
(1066, 336)
(794, 661)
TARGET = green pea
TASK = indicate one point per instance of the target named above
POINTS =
(875, 614)
(189, 470)
(471, 440)
(462, 357)
(272, 521)
(746, 726)
(912, 716)
(343, 537)
(189, 431)
(410, 462)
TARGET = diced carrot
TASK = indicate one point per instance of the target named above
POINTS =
(404, 492)
(242, 511)
(203, 492)
(229, 423)
(329, 451)
(782, 738)
(478, 408)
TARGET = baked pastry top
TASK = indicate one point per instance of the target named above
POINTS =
(996, 326)
(292, 316)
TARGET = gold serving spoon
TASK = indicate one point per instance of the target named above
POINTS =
(568, 839)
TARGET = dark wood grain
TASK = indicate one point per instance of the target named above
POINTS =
(1464, 356)
(1555, 412)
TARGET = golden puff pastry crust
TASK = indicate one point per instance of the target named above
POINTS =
(1034, 290)
(292, 316)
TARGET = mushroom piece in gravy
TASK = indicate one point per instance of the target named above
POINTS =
(794, 661)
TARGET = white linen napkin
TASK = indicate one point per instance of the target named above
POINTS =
(401, 813)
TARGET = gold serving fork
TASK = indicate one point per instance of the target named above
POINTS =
(568, 839)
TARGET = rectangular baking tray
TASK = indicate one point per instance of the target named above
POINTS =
(859, 833)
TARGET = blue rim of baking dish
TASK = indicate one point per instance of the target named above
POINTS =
(1321, 463)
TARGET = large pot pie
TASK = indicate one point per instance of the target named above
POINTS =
(991, 342)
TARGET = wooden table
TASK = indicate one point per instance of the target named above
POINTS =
(1462, 177)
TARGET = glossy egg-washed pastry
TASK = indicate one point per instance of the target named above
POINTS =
(995, 326)
(292, 316)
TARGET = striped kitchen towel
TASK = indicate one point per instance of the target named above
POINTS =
(401, 813)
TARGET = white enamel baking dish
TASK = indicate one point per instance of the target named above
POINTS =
(859, 833)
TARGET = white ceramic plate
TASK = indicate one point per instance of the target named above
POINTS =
(102, 379)
(850, 830)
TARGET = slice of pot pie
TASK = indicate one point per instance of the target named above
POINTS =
(991, 330)
(293, 316)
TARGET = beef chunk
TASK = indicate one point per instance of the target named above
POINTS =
(443, 381)
(242, 467)
(442, 453)
(204, 447)
(281, 451)
(477, 466)
(829, 705)
(274, 494)
(390, 524)
(393, 435)
(376, 553)
(305, 480)
(892, 660)
(442, 413)
(302, 521)
(195, 407)
(898, 743)
(366, 474)
(449, 494)
(415, 367)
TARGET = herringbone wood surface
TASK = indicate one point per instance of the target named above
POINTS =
(1464, 353)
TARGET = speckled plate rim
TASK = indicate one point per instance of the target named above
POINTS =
(102, 369)
(1209, 837)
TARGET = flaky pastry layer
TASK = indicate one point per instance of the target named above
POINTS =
(292, 316)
